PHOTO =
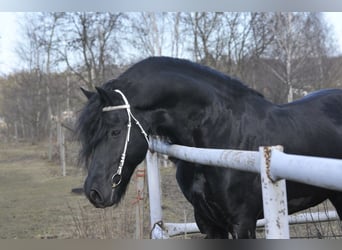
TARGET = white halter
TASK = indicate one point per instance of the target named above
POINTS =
(117, 174)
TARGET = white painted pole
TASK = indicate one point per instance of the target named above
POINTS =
(276, 167)
(316, 171)
(274, 200)
(174, 229)
(235, 159)
(307, 217)
(154, 191)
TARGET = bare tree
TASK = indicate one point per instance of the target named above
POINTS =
(176, 40)
(321, 66)
(299, 43)
(148, 34)
(91, 44)
(247, 37)
(30, 109)
(228, 41)
(281, 54)
(46, 27)
(205, 29)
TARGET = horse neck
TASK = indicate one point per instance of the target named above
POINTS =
(199, 126)
(177, 124)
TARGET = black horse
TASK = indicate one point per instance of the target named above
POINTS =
(197, 106)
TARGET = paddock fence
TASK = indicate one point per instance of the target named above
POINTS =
(271, 163)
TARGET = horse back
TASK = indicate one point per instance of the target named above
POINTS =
(312, 125)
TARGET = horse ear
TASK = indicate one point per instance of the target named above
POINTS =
(87, 93)
(104, 95)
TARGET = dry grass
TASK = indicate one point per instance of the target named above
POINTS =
(33, 195)
(36, 202)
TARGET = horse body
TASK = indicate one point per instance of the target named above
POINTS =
(196, 106)
(301, 127)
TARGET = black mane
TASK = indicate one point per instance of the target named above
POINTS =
(212, 77)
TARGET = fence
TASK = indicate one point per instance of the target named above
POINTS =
(274, 167)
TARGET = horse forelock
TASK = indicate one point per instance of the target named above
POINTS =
(90, 128)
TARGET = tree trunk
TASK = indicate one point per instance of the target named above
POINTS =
(61, 143)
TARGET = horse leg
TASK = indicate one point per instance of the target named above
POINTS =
(209, 228)
(336, 200)
(245, 229)
(192, 182)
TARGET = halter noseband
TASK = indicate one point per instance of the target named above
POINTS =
(116, 178)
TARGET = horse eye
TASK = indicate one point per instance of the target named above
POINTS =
(115, 132)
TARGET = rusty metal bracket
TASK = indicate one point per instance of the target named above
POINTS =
(267, 155)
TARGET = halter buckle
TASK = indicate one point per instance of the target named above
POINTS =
(116, 180)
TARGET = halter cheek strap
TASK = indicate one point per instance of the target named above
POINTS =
(116, 178)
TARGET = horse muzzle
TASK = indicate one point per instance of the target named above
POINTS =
(99, 197)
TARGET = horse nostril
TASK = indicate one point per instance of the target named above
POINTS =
(95, 197)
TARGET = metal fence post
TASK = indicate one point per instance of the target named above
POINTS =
(274, 199)
(154, 191)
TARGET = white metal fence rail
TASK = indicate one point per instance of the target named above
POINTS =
(274, 167)
(174, 229)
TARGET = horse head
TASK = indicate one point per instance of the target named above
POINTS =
(113, 140)
(113, 144)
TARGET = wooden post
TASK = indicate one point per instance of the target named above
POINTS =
(61, 142)
(139, 203)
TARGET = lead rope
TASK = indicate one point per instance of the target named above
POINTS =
(116, 178)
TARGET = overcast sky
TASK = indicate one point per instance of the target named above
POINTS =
(10, 35)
